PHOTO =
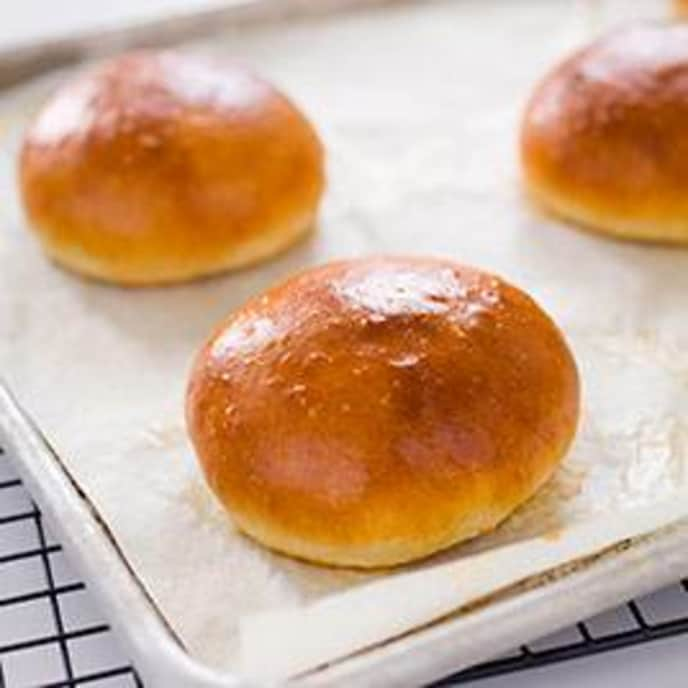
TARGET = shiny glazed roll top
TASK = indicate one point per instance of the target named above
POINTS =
(158, 167)
(604, 141)
(370, 412)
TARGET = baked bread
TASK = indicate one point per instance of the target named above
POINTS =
(158, 167)
(371, 412)
(604, 141)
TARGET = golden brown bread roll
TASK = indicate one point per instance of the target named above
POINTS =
(605, 137)
(159, 167)
(370, 412)
(681, 7)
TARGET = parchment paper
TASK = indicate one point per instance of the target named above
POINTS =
(418, 106)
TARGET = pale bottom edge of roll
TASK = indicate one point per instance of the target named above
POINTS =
(276, 645)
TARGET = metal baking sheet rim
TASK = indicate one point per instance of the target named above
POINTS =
(422, 656)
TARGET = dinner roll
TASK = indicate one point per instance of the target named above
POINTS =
(161, 166)
(605, 136)
(681, 7)
(371, 412)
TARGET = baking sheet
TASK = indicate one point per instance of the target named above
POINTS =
(418, 106)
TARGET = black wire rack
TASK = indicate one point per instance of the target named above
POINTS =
(51, 635)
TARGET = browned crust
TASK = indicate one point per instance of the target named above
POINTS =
(374, 411)
(157, 167)
(681, 7)
(604, 140)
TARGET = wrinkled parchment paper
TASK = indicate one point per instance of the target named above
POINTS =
(418, 105)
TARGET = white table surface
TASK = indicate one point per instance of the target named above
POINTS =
(662, 663)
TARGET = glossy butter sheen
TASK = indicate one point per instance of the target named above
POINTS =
(605, 135)
(371, 412)
(157, 167)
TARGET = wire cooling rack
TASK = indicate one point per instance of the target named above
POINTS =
(52, 636)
